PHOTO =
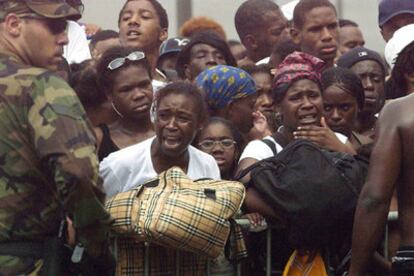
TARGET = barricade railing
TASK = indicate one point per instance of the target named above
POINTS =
(245, 224)
(392, 216)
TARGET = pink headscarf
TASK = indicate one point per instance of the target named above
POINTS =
(298, 65)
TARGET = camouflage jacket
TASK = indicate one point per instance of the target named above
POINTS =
(47, 156)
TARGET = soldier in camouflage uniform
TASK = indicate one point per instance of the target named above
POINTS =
(47, 149)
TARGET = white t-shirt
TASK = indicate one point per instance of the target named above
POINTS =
(125, 169)
(258, 150)
(77, 49)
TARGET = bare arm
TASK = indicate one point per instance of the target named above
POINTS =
(373, 204)
(253, 201)
(243, 164)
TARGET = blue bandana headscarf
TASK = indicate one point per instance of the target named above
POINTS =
(224, 84)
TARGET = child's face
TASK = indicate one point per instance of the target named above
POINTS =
(217, 140)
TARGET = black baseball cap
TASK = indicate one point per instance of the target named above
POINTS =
(173, 45)
(358, 54)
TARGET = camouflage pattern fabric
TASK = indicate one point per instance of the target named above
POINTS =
(39, 8)
(47, 153)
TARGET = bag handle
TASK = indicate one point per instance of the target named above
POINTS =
(152, 184)
(244, 172)
(271, 145)
(280, 139)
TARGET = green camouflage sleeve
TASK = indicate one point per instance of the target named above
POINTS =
(64, 141)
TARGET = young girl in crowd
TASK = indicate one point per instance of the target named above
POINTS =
(343, 97)
(125, 76)
(221, 139)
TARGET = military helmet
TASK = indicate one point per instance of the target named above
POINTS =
(41, 8)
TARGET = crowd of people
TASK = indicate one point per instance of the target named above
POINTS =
(88, 113)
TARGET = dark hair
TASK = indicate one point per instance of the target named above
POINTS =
(159, 9)
(102, 35)
(249, 16)
(205, 37)
(279, 92)
(84, 81)
(345, 79)
(253, 69)
(347, 22)
(304, 7)
(187, 89)
(396, 86)
(284, 48)
(106, 76)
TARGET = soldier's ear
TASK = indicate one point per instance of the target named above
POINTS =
(13, 24)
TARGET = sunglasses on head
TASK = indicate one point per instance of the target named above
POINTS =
(118, 62)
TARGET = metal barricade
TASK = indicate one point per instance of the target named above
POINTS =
(392, 216)
(245, 224)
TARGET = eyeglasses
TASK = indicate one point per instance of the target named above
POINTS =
(209, 144)
(55, 26)
(118, 62)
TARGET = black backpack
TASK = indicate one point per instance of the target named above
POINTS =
(314, 190)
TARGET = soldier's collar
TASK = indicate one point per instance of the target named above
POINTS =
(11, 55)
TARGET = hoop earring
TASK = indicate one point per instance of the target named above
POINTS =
(116, 110)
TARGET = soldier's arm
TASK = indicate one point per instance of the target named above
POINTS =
(373, 204)
(65, 143)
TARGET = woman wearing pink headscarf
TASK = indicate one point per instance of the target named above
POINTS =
(298, 98)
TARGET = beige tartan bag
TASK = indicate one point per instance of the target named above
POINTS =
(175, 211)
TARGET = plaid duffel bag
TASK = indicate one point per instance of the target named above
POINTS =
(175, 211)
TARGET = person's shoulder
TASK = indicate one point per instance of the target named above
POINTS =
(32, 82)
(260, 145)
(12, 70)
(36, 77)
(398, 112)
(259, 150)
(200, 155)
(203, 160)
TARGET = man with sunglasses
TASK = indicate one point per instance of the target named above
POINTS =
(49, 169)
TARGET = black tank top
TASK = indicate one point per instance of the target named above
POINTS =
(107, 145)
